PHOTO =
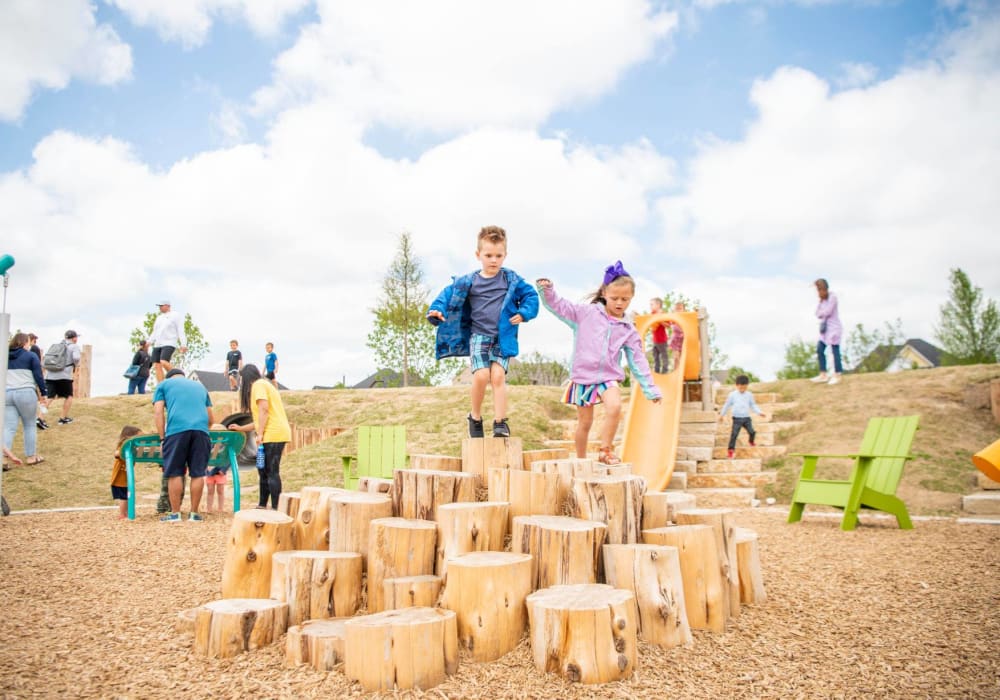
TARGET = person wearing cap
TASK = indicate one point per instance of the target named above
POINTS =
(182, 413)
(59, 383)
(167, 336)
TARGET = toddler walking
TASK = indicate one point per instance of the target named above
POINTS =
(119, 472)
(601, 334)
(740, 400)
(215, 485)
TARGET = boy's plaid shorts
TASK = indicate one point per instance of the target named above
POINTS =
(485, 350)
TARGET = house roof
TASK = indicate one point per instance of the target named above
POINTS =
(932, 353)
(216, 381)
(387, 378)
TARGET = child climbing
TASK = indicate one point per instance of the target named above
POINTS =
(119, 474)
(601, 334)
(740, 400)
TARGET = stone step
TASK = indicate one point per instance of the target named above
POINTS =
(699, 428)
(678, 481)
(758, 452)
(698, 454)
(761, 428)
(981, 503)
(688, 466)
(729, 466)
(697, 441)
(763, 440)
(732, 480)
(698, 416)
(723, 498)
(986, 483)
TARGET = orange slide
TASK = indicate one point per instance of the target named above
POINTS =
(651, 430)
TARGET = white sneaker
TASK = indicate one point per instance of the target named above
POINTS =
(834, 379)
(819, 378)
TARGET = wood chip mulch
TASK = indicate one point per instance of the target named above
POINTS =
(90, 603)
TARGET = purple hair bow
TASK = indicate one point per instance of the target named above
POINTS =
(613, 272)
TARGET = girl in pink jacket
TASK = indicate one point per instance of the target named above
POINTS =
(600, 335)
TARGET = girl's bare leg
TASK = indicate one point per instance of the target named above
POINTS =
(612, 399)
(584, 419)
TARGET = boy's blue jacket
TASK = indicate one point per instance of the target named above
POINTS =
(453, 302)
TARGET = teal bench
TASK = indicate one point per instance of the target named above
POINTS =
(226, 444)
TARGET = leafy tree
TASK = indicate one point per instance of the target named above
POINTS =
(537, 369)
(734, 372)
(197, 346)
(401, 338)
(800, 360)
(719, 358)
(968, 331)
(874, 351)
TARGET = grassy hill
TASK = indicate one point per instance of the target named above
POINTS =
(955, 422)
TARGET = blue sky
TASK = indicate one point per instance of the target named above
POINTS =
(272, 152)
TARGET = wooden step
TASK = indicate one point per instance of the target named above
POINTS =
(732, 480)
(729, 466)
(723, 498)
(764, 452)
(981, 504)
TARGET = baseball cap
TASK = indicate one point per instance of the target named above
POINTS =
(163, 303)
(70, 334)
(174, 372)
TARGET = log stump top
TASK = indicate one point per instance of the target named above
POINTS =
(402, 616)
(487, 559)
(315, 554)
(322, 489)
(580, 596)
(360, 497)
(260, 515)
(557, 522)
(437, 472)
(405, 523)
(471, 505)
(705, 512)
(330, 627)
(243, 605)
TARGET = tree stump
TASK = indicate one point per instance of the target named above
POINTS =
(469, 527)
(419, 492)
(530, 456)
(312, 523)
(397, 547)
(566, 550)
(723, 526)
(254, 537)
(401, 649)
(377, 485)
(615, 501)
(584, 633)
(411, 591)
(748, 564)
(479, 455)
(350, 518)
(487, 591)
(225, 628)
(528, 493)
(184, 622)
(653, 574)
(570, 468)
(439, 463)
(318, 584)
(659, 508)
(704, 587)
(288, 503)
(319, 643)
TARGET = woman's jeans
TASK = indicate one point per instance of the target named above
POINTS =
(21, 404)
(821, 354)
(137, 384)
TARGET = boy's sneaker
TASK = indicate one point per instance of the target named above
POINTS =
(42, 425)
(66, 420)
(171, 518)
(753, 444)
(501, 429)
(730, 454)
(195, 518)
(475, 427)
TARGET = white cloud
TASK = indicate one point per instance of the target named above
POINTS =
(469, 64)
(855, 75)
(48, 44)
(882, 189)
(189, 21)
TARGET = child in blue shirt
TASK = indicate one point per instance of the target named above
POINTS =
(477, 315)
(741, 402)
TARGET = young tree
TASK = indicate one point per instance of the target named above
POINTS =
(969, 332)
(874, 351)
(537, 369)
(800, 360)
(734, 372)
(197, 346)
(401, 338)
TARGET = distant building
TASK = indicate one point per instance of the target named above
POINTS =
(385, 378)
(216, 381)
(915, 354)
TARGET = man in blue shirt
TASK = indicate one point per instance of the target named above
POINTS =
(182, 411)
(741, 402)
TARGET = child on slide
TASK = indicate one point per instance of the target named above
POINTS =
(601, 334)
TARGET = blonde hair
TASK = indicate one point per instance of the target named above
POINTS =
(598, 296)
(493, 234)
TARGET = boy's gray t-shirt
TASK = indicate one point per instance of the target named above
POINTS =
(486, 301)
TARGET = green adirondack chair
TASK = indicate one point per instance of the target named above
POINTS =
(381, 449)
(878, 466)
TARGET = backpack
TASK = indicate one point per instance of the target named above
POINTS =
(56, 358)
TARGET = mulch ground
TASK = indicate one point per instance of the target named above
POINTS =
(89, 606)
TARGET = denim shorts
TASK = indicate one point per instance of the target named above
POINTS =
(485, 350)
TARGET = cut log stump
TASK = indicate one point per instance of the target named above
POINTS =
(419, 492)
(312, 523)
(487, 591)
(584, 633)
(318, 584)
(469, 527)
(615, 501)
(401, 649)
(479, 455)
(350, 518)
(565, 550)
(288, 503)
(411, 591)
(377, 485)
(398, 547)
(748, 564)
(530, 456)
(184, 622)
(704, 587)
(254, 537)
(318, 643)
(723, 525)
(440, 463)
(228, 627)
(653, 574)
(659, 508)
(529, 493)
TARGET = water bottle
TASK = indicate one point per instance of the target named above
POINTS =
(260, 457)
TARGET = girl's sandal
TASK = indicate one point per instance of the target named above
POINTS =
(607, 456)
(36, 460)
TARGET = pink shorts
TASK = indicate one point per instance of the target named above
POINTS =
(217, 479)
